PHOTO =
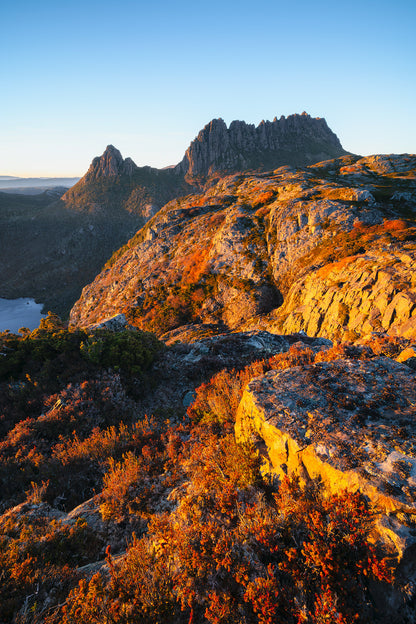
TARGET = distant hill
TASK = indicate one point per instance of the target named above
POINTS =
(32, 186)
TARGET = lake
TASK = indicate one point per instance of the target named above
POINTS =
(16, 313)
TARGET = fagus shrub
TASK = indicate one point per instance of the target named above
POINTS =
(231, 551)
(299, 557)
(40, 555)
(218, 399)
(218, 543)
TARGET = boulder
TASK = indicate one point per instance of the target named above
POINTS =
(348, 423)
(115, 323)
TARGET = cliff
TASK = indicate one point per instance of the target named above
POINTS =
(296, 140)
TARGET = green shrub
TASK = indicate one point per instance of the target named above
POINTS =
(128, 351)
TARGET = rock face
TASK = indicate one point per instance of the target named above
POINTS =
(116, 323)
(111, 163)
(296, 140)
(364, 294)
(349, 423)
(311, 250)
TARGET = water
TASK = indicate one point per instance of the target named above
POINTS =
(16, 313)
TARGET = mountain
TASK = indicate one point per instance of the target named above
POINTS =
(257, 462)
(297, 140)
(116, 184)
(328, 249)
(51, 251)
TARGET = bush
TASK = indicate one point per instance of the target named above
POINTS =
(129, 351)
(299, 557)
(218, 399)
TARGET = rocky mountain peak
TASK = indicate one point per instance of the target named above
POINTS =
(110, 163)
(296, 140)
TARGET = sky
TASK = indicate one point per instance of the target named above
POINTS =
(147, 76)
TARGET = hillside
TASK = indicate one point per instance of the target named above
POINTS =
(328, 249)
(50, 252)
(173, 517)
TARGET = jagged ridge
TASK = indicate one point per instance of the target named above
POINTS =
(79, 232)
(296, 140)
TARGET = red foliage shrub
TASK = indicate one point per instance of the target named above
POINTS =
(218, 399)
(302, 558)
(263, 198)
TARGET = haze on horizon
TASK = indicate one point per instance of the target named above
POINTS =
(146, 78)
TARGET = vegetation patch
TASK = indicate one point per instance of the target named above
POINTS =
(206, 537)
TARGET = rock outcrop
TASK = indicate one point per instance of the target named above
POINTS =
(110, 163)
(368, 292)
(115, 323)
(296, 140)
(349, 424)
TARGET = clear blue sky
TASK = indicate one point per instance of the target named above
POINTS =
(146, 77)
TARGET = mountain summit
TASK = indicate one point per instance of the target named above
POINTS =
(118, 183)
(297, 140)
(111, 163)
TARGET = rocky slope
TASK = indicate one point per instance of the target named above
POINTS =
(97, 497)
(328, 249)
